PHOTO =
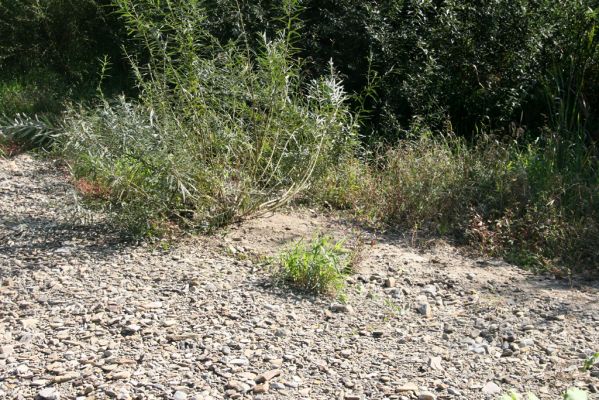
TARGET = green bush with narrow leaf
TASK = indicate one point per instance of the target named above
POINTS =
(218, 131)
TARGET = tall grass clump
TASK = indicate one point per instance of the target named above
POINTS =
(507, 198)
(218, 131)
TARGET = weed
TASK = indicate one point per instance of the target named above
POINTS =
(575, 394)
(516, 396)
(590, 361)
(319, 266)
(26, 132)
(395, 310)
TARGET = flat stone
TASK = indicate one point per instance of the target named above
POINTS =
(49, 394)
(152, 305)
(435, 363)
(277, 386)
(454, 391)
(182, 337)
(29, 323)
(430, 289)
(180, 395)
(268, 375)
(120, 375)
(6, 351)
(491, 388)
(69, 376)
(408, 387)
(238, 386)
(262, 388)
(239, 361)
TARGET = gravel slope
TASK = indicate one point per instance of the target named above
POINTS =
(85, 314)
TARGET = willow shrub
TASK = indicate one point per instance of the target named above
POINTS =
(218, 131)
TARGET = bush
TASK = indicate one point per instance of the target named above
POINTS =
(319, 266)
(218, 131)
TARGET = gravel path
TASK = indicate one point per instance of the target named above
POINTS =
(85, 314)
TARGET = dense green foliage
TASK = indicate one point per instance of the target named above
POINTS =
(473, 65)
(52, 50)
(478, 119)
(491, 65)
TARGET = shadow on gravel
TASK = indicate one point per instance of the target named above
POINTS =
(30, 243)
(286, 292)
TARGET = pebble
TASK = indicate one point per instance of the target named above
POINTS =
(426, 396)
(180, 395)
(425, 309)
(268, 375)
(49, 394)
(261, 388)
(491, 389)
(131, 329)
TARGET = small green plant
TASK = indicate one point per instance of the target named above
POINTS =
(516, 396)
(318, 267)
(394, 309)
(591, 361)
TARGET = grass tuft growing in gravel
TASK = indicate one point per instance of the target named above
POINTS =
(319, 266)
